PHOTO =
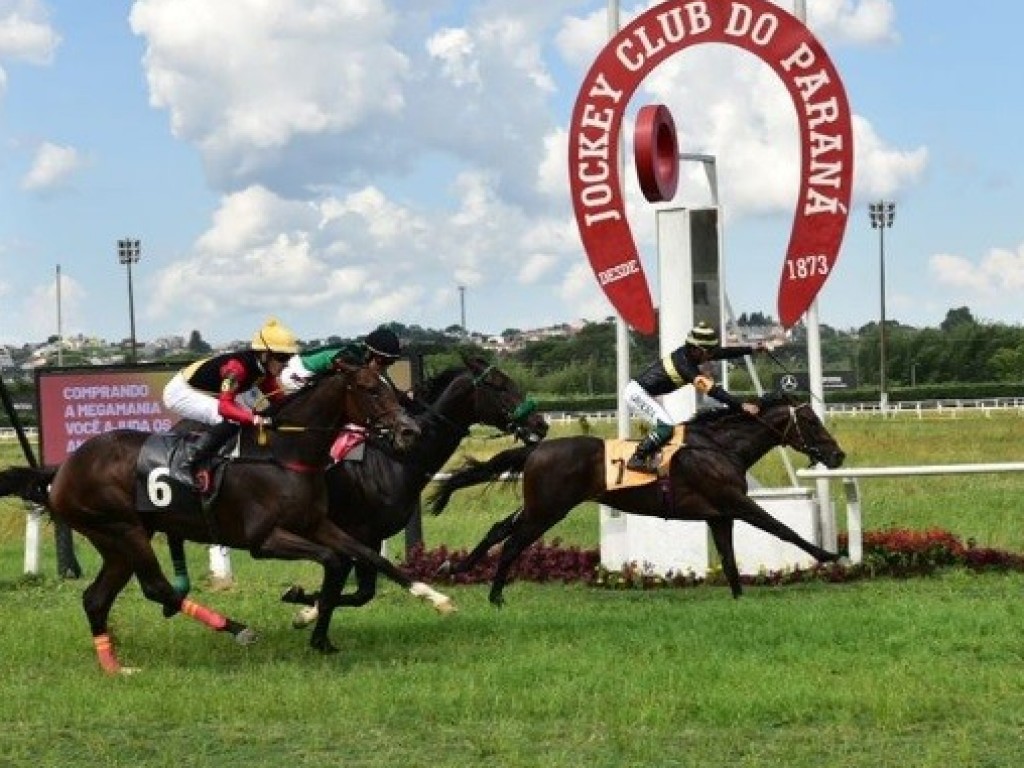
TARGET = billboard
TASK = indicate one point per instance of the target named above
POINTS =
(75, 404)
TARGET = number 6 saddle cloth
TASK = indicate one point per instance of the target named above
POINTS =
(617, 452)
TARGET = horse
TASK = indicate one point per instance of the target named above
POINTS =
(274, 505)
(706, 480)
(375, 497)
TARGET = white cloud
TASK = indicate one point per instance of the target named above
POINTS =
(998, 274)
(52, 167)
(250, 81)
(25, 32)
(860, 22)
(454, 49)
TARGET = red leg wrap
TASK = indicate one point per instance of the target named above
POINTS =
(212, 619)
(105, 654)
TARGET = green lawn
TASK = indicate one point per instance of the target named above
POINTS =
(921, 673)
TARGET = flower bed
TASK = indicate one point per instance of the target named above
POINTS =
(893, 553)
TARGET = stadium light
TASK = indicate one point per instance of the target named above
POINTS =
(882, 215)
(129, 251)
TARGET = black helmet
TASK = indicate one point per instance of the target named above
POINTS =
(702, 335)
(383, 343)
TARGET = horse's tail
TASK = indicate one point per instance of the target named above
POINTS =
(475, 472)
(28, 483)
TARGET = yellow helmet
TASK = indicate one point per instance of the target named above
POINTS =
(274, 337)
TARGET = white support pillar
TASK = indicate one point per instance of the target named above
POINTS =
(33, 531)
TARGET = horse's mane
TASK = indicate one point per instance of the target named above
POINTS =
(766, 401)
(274, 408)
(429, 390)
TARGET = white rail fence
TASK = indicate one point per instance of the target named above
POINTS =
(851, 487)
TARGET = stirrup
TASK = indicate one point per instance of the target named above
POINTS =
(645, 465)
(203, 479)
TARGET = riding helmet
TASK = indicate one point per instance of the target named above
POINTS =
(274, 337)
(383, 343)
(702, 335)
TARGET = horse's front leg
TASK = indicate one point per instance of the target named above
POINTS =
(182, 583)
(308, 614)
(721, 532)
(285, 545)
(366, 588)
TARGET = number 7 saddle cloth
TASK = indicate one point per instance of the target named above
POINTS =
(618, 451)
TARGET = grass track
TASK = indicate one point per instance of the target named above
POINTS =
(922, 673)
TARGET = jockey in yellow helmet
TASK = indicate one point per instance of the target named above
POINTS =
(208, 390)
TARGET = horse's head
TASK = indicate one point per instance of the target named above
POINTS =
(499, 403)
(376, 406)
(351, 394)
(800, 428)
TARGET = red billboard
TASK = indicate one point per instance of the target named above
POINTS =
(75, 404)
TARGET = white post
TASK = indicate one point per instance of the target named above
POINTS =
(220, 564)
(614, 549)
(33, 527)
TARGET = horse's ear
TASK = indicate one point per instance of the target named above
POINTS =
(345, 368)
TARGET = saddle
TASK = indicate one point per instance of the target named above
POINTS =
(162, 480)
(618, 451)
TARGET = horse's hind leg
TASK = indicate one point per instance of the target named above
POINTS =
(97, 600)
(524, 533)
(497, 534)
(127, 551)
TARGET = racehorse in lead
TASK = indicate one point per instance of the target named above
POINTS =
(274, 505)
(706, 481)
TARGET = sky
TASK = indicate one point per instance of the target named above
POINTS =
(339, 164)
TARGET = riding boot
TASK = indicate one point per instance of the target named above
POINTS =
(645, 457)
(206, 448)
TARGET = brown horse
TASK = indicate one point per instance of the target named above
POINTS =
(706, 481)
(274, 505)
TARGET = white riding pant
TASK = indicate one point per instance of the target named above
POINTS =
(191, 403)
(294, 375)
(644, 406)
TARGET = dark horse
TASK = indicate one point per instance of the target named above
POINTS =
(707, 481)
(275, 505)
(375, 498)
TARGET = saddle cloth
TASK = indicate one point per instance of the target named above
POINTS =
(617, 452)
(161, 480)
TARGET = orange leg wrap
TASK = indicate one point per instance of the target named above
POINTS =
(105, 654)
(212, 619)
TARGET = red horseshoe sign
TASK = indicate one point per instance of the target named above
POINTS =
(826, 136)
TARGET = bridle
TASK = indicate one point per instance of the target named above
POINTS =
(801, 444)
(514, 416)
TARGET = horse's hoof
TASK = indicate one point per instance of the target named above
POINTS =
(304, 617)
(497, 601)
(444, 570)
(324, 646)
(246, 636)
(170, 610)
(295, 594)
(446, 607)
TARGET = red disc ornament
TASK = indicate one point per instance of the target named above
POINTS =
(656, 151)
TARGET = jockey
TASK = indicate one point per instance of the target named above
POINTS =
(208, 391)
(378, 352)
(676, 370)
